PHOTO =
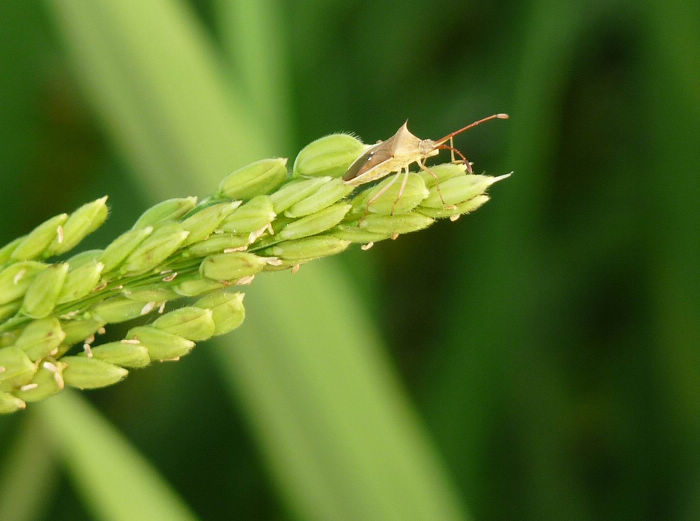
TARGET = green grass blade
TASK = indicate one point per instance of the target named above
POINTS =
(115, 482)
(28, 473)
(262, 74)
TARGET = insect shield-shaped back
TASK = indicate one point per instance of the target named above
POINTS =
(375, 156)
(386, 157)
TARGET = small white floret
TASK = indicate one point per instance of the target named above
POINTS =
(20, 274)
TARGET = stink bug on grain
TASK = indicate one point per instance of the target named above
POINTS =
(399, 152)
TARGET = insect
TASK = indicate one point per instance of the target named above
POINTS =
(399, 152)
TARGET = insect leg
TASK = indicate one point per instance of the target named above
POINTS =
(403, 185)
(437, 186)
(452, 152)
(377, 196)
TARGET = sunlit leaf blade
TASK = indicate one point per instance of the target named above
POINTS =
(114, 480)
(354, 450)
(163, 99)
(336, 429)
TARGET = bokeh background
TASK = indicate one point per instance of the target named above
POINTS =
(538, 360)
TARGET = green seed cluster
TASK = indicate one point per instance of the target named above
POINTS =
(262, 218)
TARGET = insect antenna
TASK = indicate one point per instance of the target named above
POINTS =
(449, 136)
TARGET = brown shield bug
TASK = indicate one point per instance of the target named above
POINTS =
(399, 152)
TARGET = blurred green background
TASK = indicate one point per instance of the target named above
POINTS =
(538, 360)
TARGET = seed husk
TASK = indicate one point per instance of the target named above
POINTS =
(227, 310)
(90, 373)
(18, 369)
(124, 354)
(231, 266)
(16, 278)
(10, 403)
(47, 381)
(161, 345)
(165, 211)
(80, 281)
(328, 194)
(43, 292)
(162, 243)
(117, 309)
(252, 216)
(41, 337)
(308, 248)
(79, 224)
(328, 156)
(120, 248)
(39, 239)
(315, 223)
(190, 322)
(254, 179)
(395, 224)
(204, 222)
(294, 191)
